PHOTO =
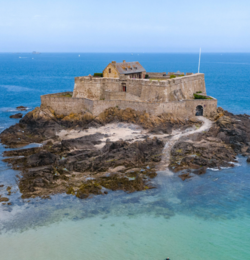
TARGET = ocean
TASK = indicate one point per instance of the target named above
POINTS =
(206, 217)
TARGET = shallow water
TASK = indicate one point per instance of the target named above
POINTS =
(206, 217)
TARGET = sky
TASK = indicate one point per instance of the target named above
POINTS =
(124, 26)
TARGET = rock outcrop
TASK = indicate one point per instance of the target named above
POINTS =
(22, 108)
(77, 166)
(80, 168)
(216, 148)
(43, 123)
(18, 115)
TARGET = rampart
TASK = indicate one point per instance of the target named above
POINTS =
(114, 95)
(177, 89)
(153, 96)
(65, 105)
(120, 95)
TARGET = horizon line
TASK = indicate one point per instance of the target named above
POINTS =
(92, 52)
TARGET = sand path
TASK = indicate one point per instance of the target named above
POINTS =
(168, 146)
(114, 132)
(131, 133)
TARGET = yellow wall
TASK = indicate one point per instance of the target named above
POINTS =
(114, 73)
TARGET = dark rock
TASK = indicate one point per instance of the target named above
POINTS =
(248, 159)
(22, 152)
(3, 199)
(200, 171)
(85, 142)
(41, 158)
(42, 169)
(216, 148)
(185, 176)
(49, 169)
(22, 108)
(93, 124)
(162, 129)
(18, 115)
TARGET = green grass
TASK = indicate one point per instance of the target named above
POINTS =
(98, 75)
(201, 97)
(67, 95)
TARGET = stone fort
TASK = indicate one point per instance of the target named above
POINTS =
(128, 85)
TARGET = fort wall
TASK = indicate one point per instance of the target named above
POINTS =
(177, 108)
(93, 88)
(176, 89)
(153, 96)
(64, 105)
(115, 95)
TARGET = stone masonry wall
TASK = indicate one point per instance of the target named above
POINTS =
(65, 106)
(115, 95)
(114, 73)
(155, 97)
(176, 89)
(93, 88)
(177, 108)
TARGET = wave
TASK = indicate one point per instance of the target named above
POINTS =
(13, 88)
(225, 168)
(13, 109)
(236, 163)
(8, 109)
(213, 169)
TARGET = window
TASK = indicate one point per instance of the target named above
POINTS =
(109, 70)
(124, 89)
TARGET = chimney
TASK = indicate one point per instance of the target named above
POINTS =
(114, 62)
(124, 61)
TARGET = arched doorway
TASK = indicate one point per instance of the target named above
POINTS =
(199, 111)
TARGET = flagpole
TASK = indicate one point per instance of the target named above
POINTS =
(199, 62)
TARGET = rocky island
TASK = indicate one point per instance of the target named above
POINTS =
(117, 129)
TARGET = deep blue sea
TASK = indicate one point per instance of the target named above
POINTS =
(206, 217)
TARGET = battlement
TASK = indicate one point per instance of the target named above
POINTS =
(175, 89)
(162, 82)
(185, 108)
(95, 94)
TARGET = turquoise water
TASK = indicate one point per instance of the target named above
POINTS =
(206, 217)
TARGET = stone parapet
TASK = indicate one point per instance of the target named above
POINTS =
(66, 106)
(145, 89)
